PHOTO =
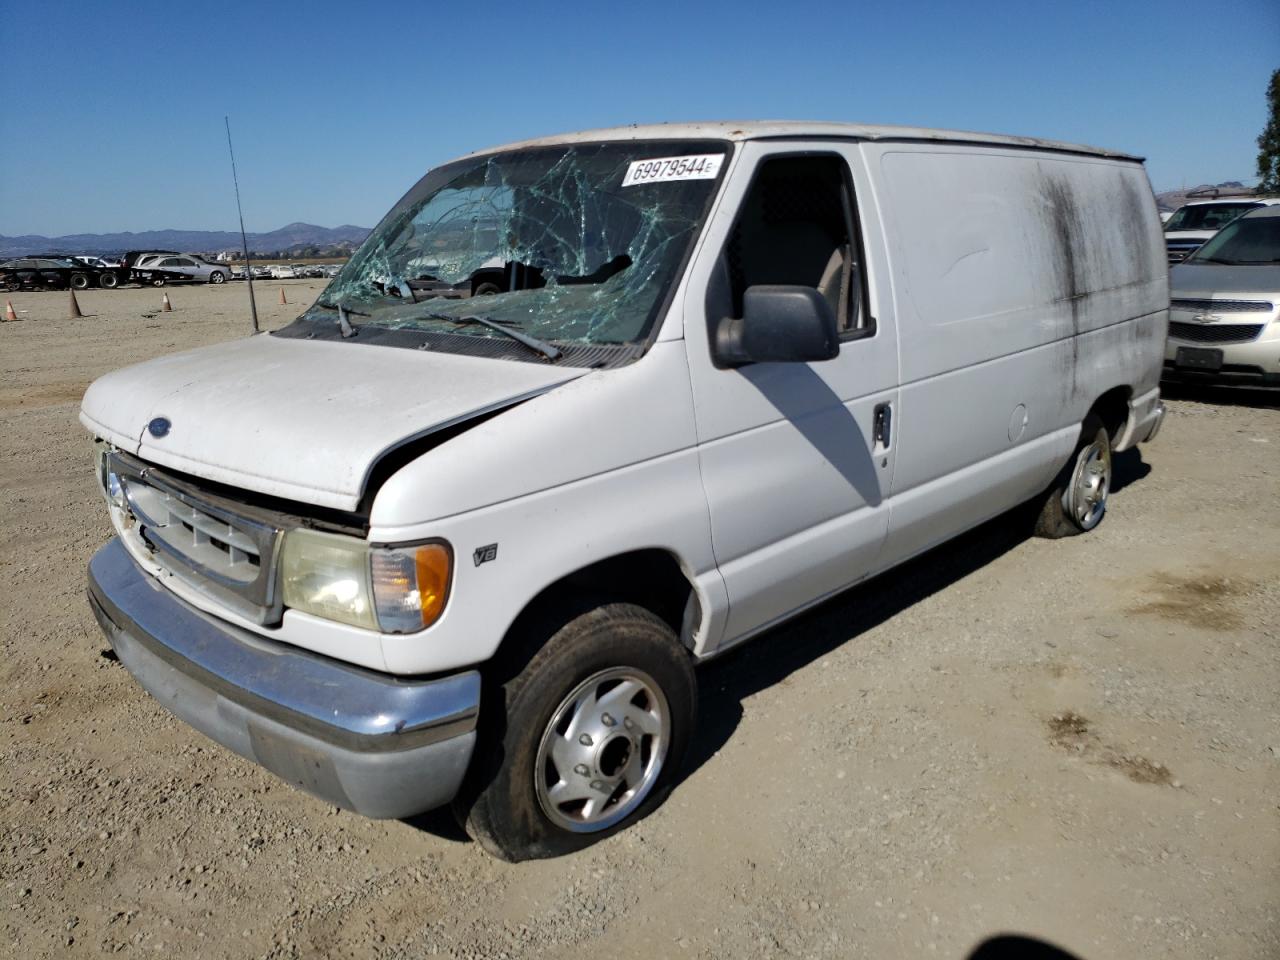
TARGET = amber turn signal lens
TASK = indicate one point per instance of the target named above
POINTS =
(410, 586)
(433, 580)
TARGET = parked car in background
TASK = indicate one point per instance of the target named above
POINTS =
(282, 271)
(134, 259)
(47, 273)
(1195, 222)
(1224, 309)
(183, 268)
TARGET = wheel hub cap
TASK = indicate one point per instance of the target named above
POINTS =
(1087, 495)
(602, 750)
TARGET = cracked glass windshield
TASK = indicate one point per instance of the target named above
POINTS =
(575, 244)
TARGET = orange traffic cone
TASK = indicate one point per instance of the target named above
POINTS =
(166, 306)
(9, 312)
(75, 308)
(283, 298)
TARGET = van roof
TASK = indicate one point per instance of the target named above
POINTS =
(791, 129)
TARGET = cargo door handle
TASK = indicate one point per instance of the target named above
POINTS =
(881, 430)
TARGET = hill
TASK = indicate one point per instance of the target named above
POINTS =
(287, 240)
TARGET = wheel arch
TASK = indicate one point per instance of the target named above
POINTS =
(1112, 408)
(650, 577)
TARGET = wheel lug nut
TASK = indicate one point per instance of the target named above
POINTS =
(607, 720)
(581, 770)
(597, 784)
(628, 723)
(585, 740)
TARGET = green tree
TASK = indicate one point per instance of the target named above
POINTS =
(1269, 140)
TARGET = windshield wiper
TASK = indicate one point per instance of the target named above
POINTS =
(344, 325)
(1229, 263)
(533, 343)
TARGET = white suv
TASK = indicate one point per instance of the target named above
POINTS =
(1194, 223)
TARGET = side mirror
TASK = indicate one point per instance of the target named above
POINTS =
(780, 324)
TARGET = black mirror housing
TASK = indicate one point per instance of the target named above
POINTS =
(779, 324)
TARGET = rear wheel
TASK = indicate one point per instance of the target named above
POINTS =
(585, 739)
(12, 283)
(217, 277)
(109, 281)
(1077, 501)
(79, 281)
(486, 288)
(158, 282)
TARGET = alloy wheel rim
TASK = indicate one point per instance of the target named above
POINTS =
(602, 750)
(1090, 485)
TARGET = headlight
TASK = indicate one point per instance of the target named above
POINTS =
(392, 589)
(112, 489)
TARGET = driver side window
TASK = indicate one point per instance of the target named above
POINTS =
(796, 226)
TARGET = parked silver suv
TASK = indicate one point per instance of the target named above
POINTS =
(1224, 310)
(179, 268)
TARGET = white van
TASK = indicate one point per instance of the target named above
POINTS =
(415, 549)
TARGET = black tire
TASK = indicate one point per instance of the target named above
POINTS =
(79, 281)
(486, 288)
(108, 281)
(157, 282)
(217, 277)
(1057, 518)
(499, 805)
(12, 285)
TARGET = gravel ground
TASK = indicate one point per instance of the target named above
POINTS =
(1076, 740)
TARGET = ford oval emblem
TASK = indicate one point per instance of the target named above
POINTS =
(159, 427)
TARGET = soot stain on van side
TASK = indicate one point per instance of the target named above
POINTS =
(1062, 220)
(1132, 215)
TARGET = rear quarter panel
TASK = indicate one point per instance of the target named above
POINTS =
(1027, 284)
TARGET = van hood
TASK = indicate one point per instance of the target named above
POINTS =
(300, 419)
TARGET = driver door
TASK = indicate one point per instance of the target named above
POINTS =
(797, 458)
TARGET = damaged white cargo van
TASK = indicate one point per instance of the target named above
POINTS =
(584, 411)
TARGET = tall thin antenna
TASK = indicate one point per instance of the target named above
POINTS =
(248, 267)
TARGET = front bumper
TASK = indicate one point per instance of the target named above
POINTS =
(369, 742)
(1255, 363)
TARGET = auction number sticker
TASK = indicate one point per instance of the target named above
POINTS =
(703, 166)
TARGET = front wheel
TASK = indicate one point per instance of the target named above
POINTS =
(1077, 501)
(79, 281)
(158, 282)
(109, 281)
(586, 739)
(217, 277)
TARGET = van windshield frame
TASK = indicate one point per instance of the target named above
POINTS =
(568, 243)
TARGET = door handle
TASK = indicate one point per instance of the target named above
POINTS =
(882, 428)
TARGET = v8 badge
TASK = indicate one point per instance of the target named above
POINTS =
(485, 554)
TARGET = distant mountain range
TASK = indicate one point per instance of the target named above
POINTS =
(289, 239)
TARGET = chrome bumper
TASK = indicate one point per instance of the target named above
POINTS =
(369, 742)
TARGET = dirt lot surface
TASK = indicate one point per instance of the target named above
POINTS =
(1077, 740)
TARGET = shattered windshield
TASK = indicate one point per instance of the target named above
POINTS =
(571, 244)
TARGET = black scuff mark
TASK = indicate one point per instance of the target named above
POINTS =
(1066, 232)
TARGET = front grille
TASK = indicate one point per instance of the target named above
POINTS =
(229, 556)
(1216, 332)
(1222, 306)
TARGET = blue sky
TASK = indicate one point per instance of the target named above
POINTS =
(113, 113)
